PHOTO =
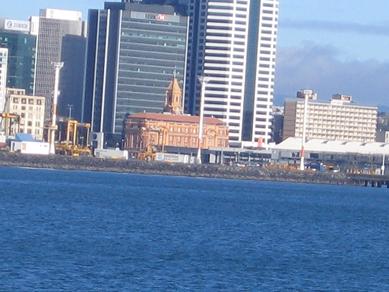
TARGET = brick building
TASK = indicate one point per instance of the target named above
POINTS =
(172, 128)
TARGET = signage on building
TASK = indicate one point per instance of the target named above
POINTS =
(16, 25)
(155, 16)
(160, 17)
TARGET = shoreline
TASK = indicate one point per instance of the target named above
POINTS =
(60, 162)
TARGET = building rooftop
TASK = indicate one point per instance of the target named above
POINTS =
(24, 137)
(331, 103)
(175, 118)
(332, 146)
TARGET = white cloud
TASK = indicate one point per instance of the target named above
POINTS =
(318, 67)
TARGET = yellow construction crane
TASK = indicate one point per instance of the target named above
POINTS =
(73, 138)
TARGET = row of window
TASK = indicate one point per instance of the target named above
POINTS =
(27, 100)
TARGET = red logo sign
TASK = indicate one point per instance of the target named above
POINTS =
(160, 17)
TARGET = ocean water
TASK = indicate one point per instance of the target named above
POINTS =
(86, 231)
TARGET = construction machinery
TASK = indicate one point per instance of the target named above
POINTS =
(9, 121)
(148, 154)
(73, 138)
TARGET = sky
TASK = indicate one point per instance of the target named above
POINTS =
(331, 46)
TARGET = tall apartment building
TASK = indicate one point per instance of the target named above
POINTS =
(15, 36)
(61, 38)
(233, 43)
(338, 119)
(133, 51)
(30, 109)
(3, 76)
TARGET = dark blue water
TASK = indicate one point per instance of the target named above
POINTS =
(98, 231)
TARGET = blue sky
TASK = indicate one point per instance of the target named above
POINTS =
(331, 46)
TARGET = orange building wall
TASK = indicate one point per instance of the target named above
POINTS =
(141, 132)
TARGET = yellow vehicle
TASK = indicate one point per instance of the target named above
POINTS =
(73, 138)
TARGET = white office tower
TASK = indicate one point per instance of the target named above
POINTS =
(3, 76)
(233, 43)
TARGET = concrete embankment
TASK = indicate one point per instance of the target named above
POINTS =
(142, 167)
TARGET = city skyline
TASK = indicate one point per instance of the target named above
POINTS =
(337, 42)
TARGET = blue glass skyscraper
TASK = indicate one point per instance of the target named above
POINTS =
(132, 52)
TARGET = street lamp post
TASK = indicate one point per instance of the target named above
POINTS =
(203, 80)
(53, 127)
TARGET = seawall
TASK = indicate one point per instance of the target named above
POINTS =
(160, 168)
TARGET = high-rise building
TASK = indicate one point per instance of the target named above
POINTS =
(339, 120)
(132, 52)
(15, 36)
(3, 76)
(233, 43)
(61, 38)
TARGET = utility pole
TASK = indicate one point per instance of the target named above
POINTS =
(302, 152)
(203, 80)
(53, 127)
(383, 165)
(70, 107)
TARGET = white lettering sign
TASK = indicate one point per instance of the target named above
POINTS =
(17, 25)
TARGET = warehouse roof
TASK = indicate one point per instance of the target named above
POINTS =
(331, 146)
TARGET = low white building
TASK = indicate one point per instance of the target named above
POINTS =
(316, 148)
(25, 144)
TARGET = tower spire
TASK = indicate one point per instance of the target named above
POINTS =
(173, 102)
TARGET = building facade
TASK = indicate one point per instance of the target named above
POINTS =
(339, 120)
(278, 124)
(382, 133)
(133, 50)
(15, 36)
(61, 38)
(172, 128)
(233, 43)
(3, 76)
(30, 109)
(163, 130)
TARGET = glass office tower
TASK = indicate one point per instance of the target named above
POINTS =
(132, 52)
(21, 59)
(61, 38)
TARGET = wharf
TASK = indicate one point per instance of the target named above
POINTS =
(204, 170)
(370, 180)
